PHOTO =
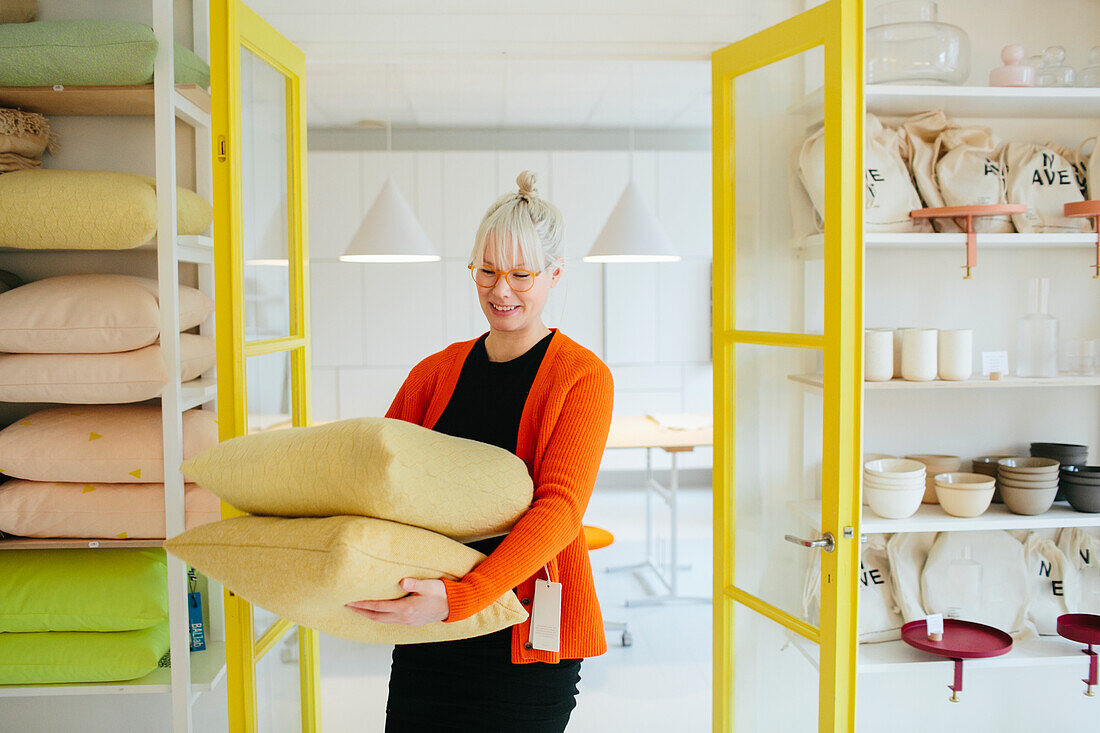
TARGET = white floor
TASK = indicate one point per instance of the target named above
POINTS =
(661, 683)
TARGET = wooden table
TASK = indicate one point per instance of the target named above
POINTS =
(645, 432)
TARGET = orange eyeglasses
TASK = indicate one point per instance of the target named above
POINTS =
(518, 279)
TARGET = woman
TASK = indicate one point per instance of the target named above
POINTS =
(540, 395)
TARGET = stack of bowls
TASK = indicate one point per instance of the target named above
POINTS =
(1082, 487)
(964, 494)
(1028, 485)
(935, 464)
(893, 487)
(873, 457)
(1068, 454)
(988, 465)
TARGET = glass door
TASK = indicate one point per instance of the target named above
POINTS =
(261, 262)
(788, 202)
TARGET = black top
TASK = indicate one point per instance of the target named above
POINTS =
(488, 401)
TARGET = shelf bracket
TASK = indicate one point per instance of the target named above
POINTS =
(1090, 209)
(1091, 681)
(969, 213)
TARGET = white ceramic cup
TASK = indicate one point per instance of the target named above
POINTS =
(878, 355)
(956, 354)
(897, 350)
(918, 354)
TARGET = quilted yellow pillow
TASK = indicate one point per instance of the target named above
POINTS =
(373, 467)
(62, 209)
(90, 314)
(114, 444)
(306, 570)
(83, 379)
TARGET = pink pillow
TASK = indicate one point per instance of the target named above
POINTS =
(83, 379)
(95, 510)
(100, 443)
(53, 316)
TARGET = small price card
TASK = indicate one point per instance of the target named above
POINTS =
(994, 361)
(934, 622)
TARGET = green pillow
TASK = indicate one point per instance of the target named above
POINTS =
(74, 656)
(87, 53)
(82, 590)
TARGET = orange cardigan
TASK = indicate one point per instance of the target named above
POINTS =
(562, 435)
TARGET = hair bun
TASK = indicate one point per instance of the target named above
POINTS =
(526, 183)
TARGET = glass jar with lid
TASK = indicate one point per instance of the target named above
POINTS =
(906, 44)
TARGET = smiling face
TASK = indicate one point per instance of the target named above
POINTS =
(510, 311)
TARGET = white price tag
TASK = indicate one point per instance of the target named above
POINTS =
(934, 622)
(546, 616)
(994, 361)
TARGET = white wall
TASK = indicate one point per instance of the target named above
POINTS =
(650, 323)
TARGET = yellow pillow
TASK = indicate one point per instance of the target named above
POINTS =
(306, 570)
(373, 467)
(63, 209)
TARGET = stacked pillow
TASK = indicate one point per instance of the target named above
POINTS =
(352, 508)
(93, 339)
(97, 472)
(81, 615)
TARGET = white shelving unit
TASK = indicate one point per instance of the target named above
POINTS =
(932, 518)
(190, 673)
(970, 103)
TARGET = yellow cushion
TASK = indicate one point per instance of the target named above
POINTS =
(373, 467)
(306, 570)
(62, 209)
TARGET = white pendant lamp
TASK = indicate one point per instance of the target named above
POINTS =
(632, 234)
(390, 232)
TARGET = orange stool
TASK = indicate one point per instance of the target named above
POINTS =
(597, 538)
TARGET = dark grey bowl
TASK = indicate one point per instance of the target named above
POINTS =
(1065, 453)
(1081, 497)
(1087, 474)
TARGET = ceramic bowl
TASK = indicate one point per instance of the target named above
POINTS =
(1028, 501)
(959, 502)
(1090, 474)
(1027, 484)
(1027, 464)
(934, 464)
(1064, 452)
(973, 481)
(894, 484)
(894, 468)
(892, 504)
(1083, 498)
(987, 464)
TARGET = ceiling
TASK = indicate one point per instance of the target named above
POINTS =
(485, 63)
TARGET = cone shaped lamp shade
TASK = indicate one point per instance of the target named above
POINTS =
(632, 234)
(390, 232)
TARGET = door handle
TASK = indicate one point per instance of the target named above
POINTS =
(826, 542)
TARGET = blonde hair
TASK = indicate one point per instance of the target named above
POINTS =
(529, 226)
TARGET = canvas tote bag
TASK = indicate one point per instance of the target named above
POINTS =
(1043, 180)
(1053, 584)
(879, 619)
(889, 193)
(1088, 166)
(969, 173)
(1082, 551)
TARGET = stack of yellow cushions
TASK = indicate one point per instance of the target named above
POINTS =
(97, 472)
(94, 339)
(81, 615)
(352, 507)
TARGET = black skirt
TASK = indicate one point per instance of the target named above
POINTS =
(471, 686)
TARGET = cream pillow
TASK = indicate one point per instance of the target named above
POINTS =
(98, 444)
(95, 510)
(90, 314)
(374, 467)
(305, 570)
(63, 209)
(82, 379)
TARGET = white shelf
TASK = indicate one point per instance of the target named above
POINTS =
(932, 518)
(816, 381)
(813, 246)
(897, 656)
(903, 100)
(207, 670)
(197, 392)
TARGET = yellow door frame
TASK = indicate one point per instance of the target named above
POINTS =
(234, 26)
(837, 25)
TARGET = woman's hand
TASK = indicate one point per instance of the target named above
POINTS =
(425, 604)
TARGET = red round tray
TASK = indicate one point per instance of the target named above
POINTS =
(1080, 627)
(961, 639)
